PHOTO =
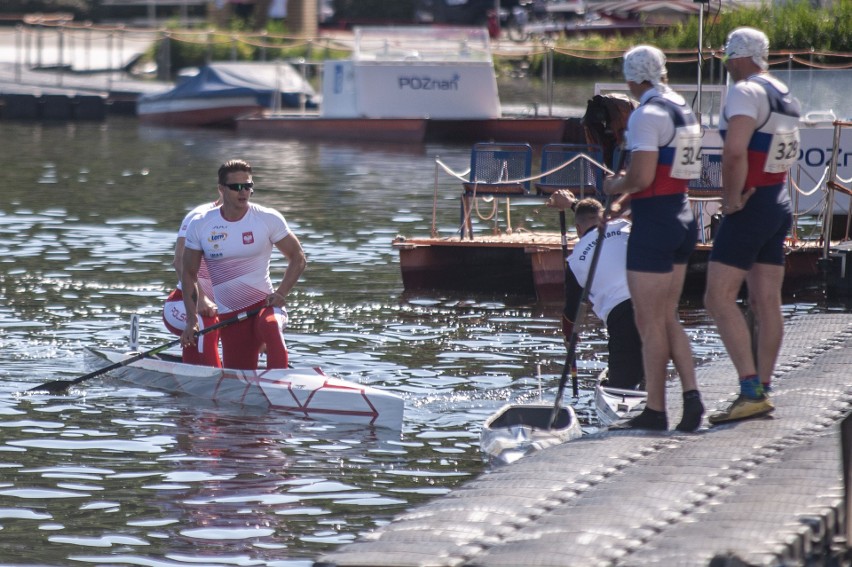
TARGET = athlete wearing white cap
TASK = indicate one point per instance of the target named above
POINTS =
(760, 127)
(751, 43)
(646, 63)
(664, 140)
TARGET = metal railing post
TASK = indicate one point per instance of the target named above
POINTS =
(829, 208)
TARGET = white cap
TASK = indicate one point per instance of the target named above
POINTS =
(748, 42)
(645, 63)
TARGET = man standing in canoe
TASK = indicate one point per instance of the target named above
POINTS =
(174, 312)
(760, 127)
(609, 295)
(236, 241)
(664, 140)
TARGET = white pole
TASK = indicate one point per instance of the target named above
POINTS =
(700, 60)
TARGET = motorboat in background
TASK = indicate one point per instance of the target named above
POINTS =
(218, 93)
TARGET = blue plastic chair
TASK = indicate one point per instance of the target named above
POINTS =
(581, 177)
(496, 169)
(499, 169)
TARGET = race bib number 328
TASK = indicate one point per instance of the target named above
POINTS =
(783, 152)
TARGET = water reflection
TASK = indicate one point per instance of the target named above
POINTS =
(117, 475)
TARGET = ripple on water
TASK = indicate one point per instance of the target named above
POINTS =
(218, 534)
(42, 493)
(23, 514)
(155, 445)
(103, 541)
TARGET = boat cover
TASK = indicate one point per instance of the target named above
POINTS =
(232, 79)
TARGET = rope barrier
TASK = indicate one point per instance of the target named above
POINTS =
(819, 184)
(461, 176)
(803, 57)
(476, 206)
(464, 178)
(694, 197)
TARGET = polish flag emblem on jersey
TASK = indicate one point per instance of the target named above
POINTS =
(248, 238)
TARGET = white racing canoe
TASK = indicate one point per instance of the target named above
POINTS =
(307, 392)
(519, 430)
(613, 404)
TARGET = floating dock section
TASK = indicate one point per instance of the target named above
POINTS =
(62, 105)
(61, 94)
(759, 492)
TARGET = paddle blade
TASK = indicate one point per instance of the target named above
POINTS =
(60, 386)
(54, 387)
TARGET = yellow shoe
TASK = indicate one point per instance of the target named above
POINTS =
(743, 408)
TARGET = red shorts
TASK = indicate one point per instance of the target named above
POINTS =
(206, 351)
(241, 342)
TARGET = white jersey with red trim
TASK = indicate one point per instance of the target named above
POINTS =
(238, 253)
(203, 275)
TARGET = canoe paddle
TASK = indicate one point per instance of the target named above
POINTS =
(579, 318)
(59, 386)
(564, 234)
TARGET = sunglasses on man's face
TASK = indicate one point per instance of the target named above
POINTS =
(239, 186)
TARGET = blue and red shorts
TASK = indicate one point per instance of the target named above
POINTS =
(664, 233)
(755, 234)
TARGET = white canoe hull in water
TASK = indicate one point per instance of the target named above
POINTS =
(519, 430)
(613, 404)
(306, 392)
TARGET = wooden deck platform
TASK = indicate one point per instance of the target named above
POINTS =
(532, 264)
(760, 492)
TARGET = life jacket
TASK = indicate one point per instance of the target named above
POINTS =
(679, 160)
(774, 146)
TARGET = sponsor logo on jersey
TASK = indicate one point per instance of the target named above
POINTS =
(216, 236)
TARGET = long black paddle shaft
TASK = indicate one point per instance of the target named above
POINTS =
(58, 386)
(564, 234)
(579, 317)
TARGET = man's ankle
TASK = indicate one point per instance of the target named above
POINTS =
(750, 387)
